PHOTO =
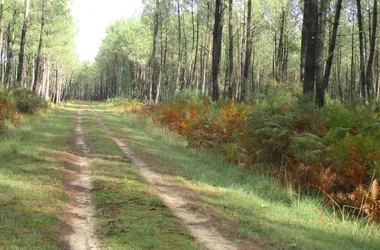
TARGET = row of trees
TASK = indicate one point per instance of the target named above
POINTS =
(239, 49)
(37, 49)
(315, 71)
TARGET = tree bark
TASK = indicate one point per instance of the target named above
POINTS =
(217, 47)
(248, 53)
(230, 64)
(10, 60)
(179, 63)
(206, 52)
(242, 52)
(320, 90)
(332, 44)
(153, 59)
(195, 76)
(361, 48)
(1, 34)
(304, 39)
(39, 53)
(280, 51)
(47, 87)
(22, 45)
(311, 47)
(368, 78)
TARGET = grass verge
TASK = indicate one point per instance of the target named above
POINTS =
(129, 215)
(261, 209)
(31, 181)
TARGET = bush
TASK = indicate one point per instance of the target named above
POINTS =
(186, 96)
(27, 101)
(7, 110)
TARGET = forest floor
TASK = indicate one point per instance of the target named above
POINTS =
(87, 176)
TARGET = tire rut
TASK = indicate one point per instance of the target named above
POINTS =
(198, 223)
(81, 209)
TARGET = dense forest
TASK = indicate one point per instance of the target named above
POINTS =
(38, 50)
(241, 50)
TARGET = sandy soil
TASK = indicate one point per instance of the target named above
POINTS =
(81, 211)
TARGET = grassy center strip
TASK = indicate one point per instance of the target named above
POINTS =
(129, 214)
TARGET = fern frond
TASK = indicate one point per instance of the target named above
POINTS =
(337, 132)
(372, 126)
(273, 124)
(308, 139)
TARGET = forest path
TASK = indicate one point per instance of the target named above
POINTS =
(175, 198)
(81, 209)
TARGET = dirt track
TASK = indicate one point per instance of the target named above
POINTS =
(81, 210)
(199, 224)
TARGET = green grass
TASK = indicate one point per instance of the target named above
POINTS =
(261, 209)
(129, 214)
(31, 183)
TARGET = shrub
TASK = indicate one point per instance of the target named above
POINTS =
(334, 149)
(186, 96)
(7, 110)
(27, 101)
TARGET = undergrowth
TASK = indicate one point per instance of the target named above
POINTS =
(333, 150)
(16, 102)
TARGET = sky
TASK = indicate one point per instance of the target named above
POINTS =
(92, 18)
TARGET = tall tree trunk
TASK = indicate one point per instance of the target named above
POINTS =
(353, 74)
(190, 81)
(377, 72)
(41, 87)
(368, 78)
(242, 51)
(332, 44)
(280, 51)
(179, 63)
(39, 53)
(206, 52)
(47, 87)
(55, 93)
(230, 67)
(1, 35)
(114, 83)
(32, 71)
(361, 48)
(320, 90)
(10, 60)
(153, 59)
(59, 84)
(217, 47)
(248, 53)
(311, 47)
(22, 45)
(195, 76)
(304, 38)
(284, 72)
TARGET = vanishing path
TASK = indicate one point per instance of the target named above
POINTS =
(199, 224)
(81, 209)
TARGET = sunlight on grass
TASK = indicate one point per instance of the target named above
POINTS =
(31, 191)
(129, 214)
(261, 208)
